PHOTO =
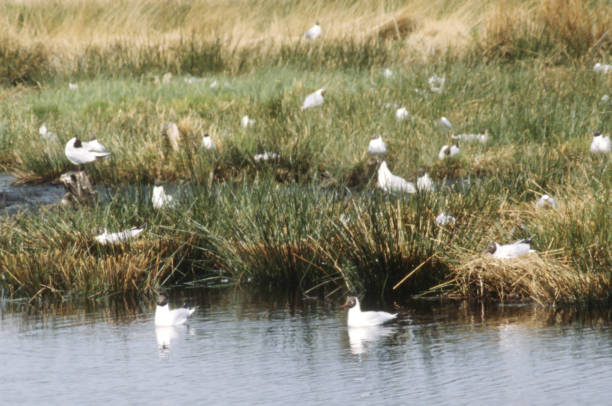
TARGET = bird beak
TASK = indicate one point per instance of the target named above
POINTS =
(343, 306)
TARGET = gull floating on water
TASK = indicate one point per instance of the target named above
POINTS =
(425, 183)
(507, 251)
(47, 134)
(208, 143)
(166, 317)
(314, 99)
(246, 122)
(436, 83)
(444, 121)
(448, 151)
(357, 318)
(160, 199)
(482, 137)
(392, 183)
(121, 236)
(444, 219)
(546, 201)
(81, 152)
(600, 144)
(402, 114)
(313, 32)
(602, 68)
(377, 146)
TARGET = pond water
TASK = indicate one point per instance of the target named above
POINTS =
(263, 350)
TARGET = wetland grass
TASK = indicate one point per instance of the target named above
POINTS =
(312, 216)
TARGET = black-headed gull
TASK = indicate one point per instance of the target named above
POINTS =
(265, 156)
(314, 99)
(313, 32)
(119, 237)
(600, 144)
(392, 183)
(377, 146)
(546, 201)
(160, 199)
(507, 251)
(402, 114)
(447, 151)
(446, 123)
(247, 122)
(424, 182)
(46, 133)
(164, 317)
(357, 318)
(444, 219)
(174, 135)
(436, 83)
(483, 137)
(208, 143)
(602, 68)
(81, 152)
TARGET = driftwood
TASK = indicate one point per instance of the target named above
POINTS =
(79, 189)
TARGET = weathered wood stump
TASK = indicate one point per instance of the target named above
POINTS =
(79, 189)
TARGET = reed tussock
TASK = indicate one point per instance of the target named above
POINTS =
(542, 277)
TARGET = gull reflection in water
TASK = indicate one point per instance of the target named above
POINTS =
(360, 338)
(165, 336)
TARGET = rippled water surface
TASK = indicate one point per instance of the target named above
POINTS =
(249, 349)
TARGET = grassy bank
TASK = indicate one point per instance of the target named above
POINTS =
(524, 74)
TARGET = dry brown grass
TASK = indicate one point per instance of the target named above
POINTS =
(542, 277)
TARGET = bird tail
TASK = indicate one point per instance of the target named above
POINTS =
(526, 240)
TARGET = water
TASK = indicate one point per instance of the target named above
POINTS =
(253, 350)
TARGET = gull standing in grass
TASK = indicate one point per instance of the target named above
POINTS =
(81, 152)
(447, 151)
(483, 137)
(314, 99)
(507, 251)
(602, 68)
(47, 134)
(546, 201)
(444, 219)
(208, 143)
(436, 83)
(121, 236)
(392, 183)
(73, 86)
(402, 114)
(313, 32)
(160, 199)
(164, 317)
(357, 318)
(377, 146)
(246, 122)
(446, 123)
(600, 144)
(424, 182)
(387, 73)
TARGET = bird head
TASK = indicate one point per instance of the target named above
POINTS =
(491, 248)
(162, 300)
(351, 301)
